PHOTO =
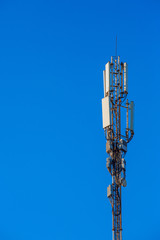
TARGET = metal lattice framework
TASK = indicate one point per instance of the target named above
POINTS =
(115, 94)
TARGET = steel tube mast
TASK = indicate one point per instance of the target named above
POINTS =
(115, 78)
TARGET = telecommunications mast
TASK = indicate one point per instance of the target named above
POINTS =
(114, 104)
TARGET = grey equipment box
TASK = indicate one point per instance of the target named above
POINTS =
(123, 182)
(123, 163)
(123, 145)
(109, 146)
(109, 191)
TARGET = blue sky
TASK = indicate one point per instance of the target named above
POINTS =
(53, 177)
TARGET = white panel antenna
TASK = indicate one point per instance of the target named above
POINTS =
(132, 116)
(111, 76)
(106, 112)
(125, 77)
(107, 79)
(122, 69)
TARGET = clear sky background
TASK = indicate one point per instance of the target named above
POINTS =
(53, 178)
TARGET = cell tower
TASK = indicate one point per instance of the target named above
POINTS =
(115, 106)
